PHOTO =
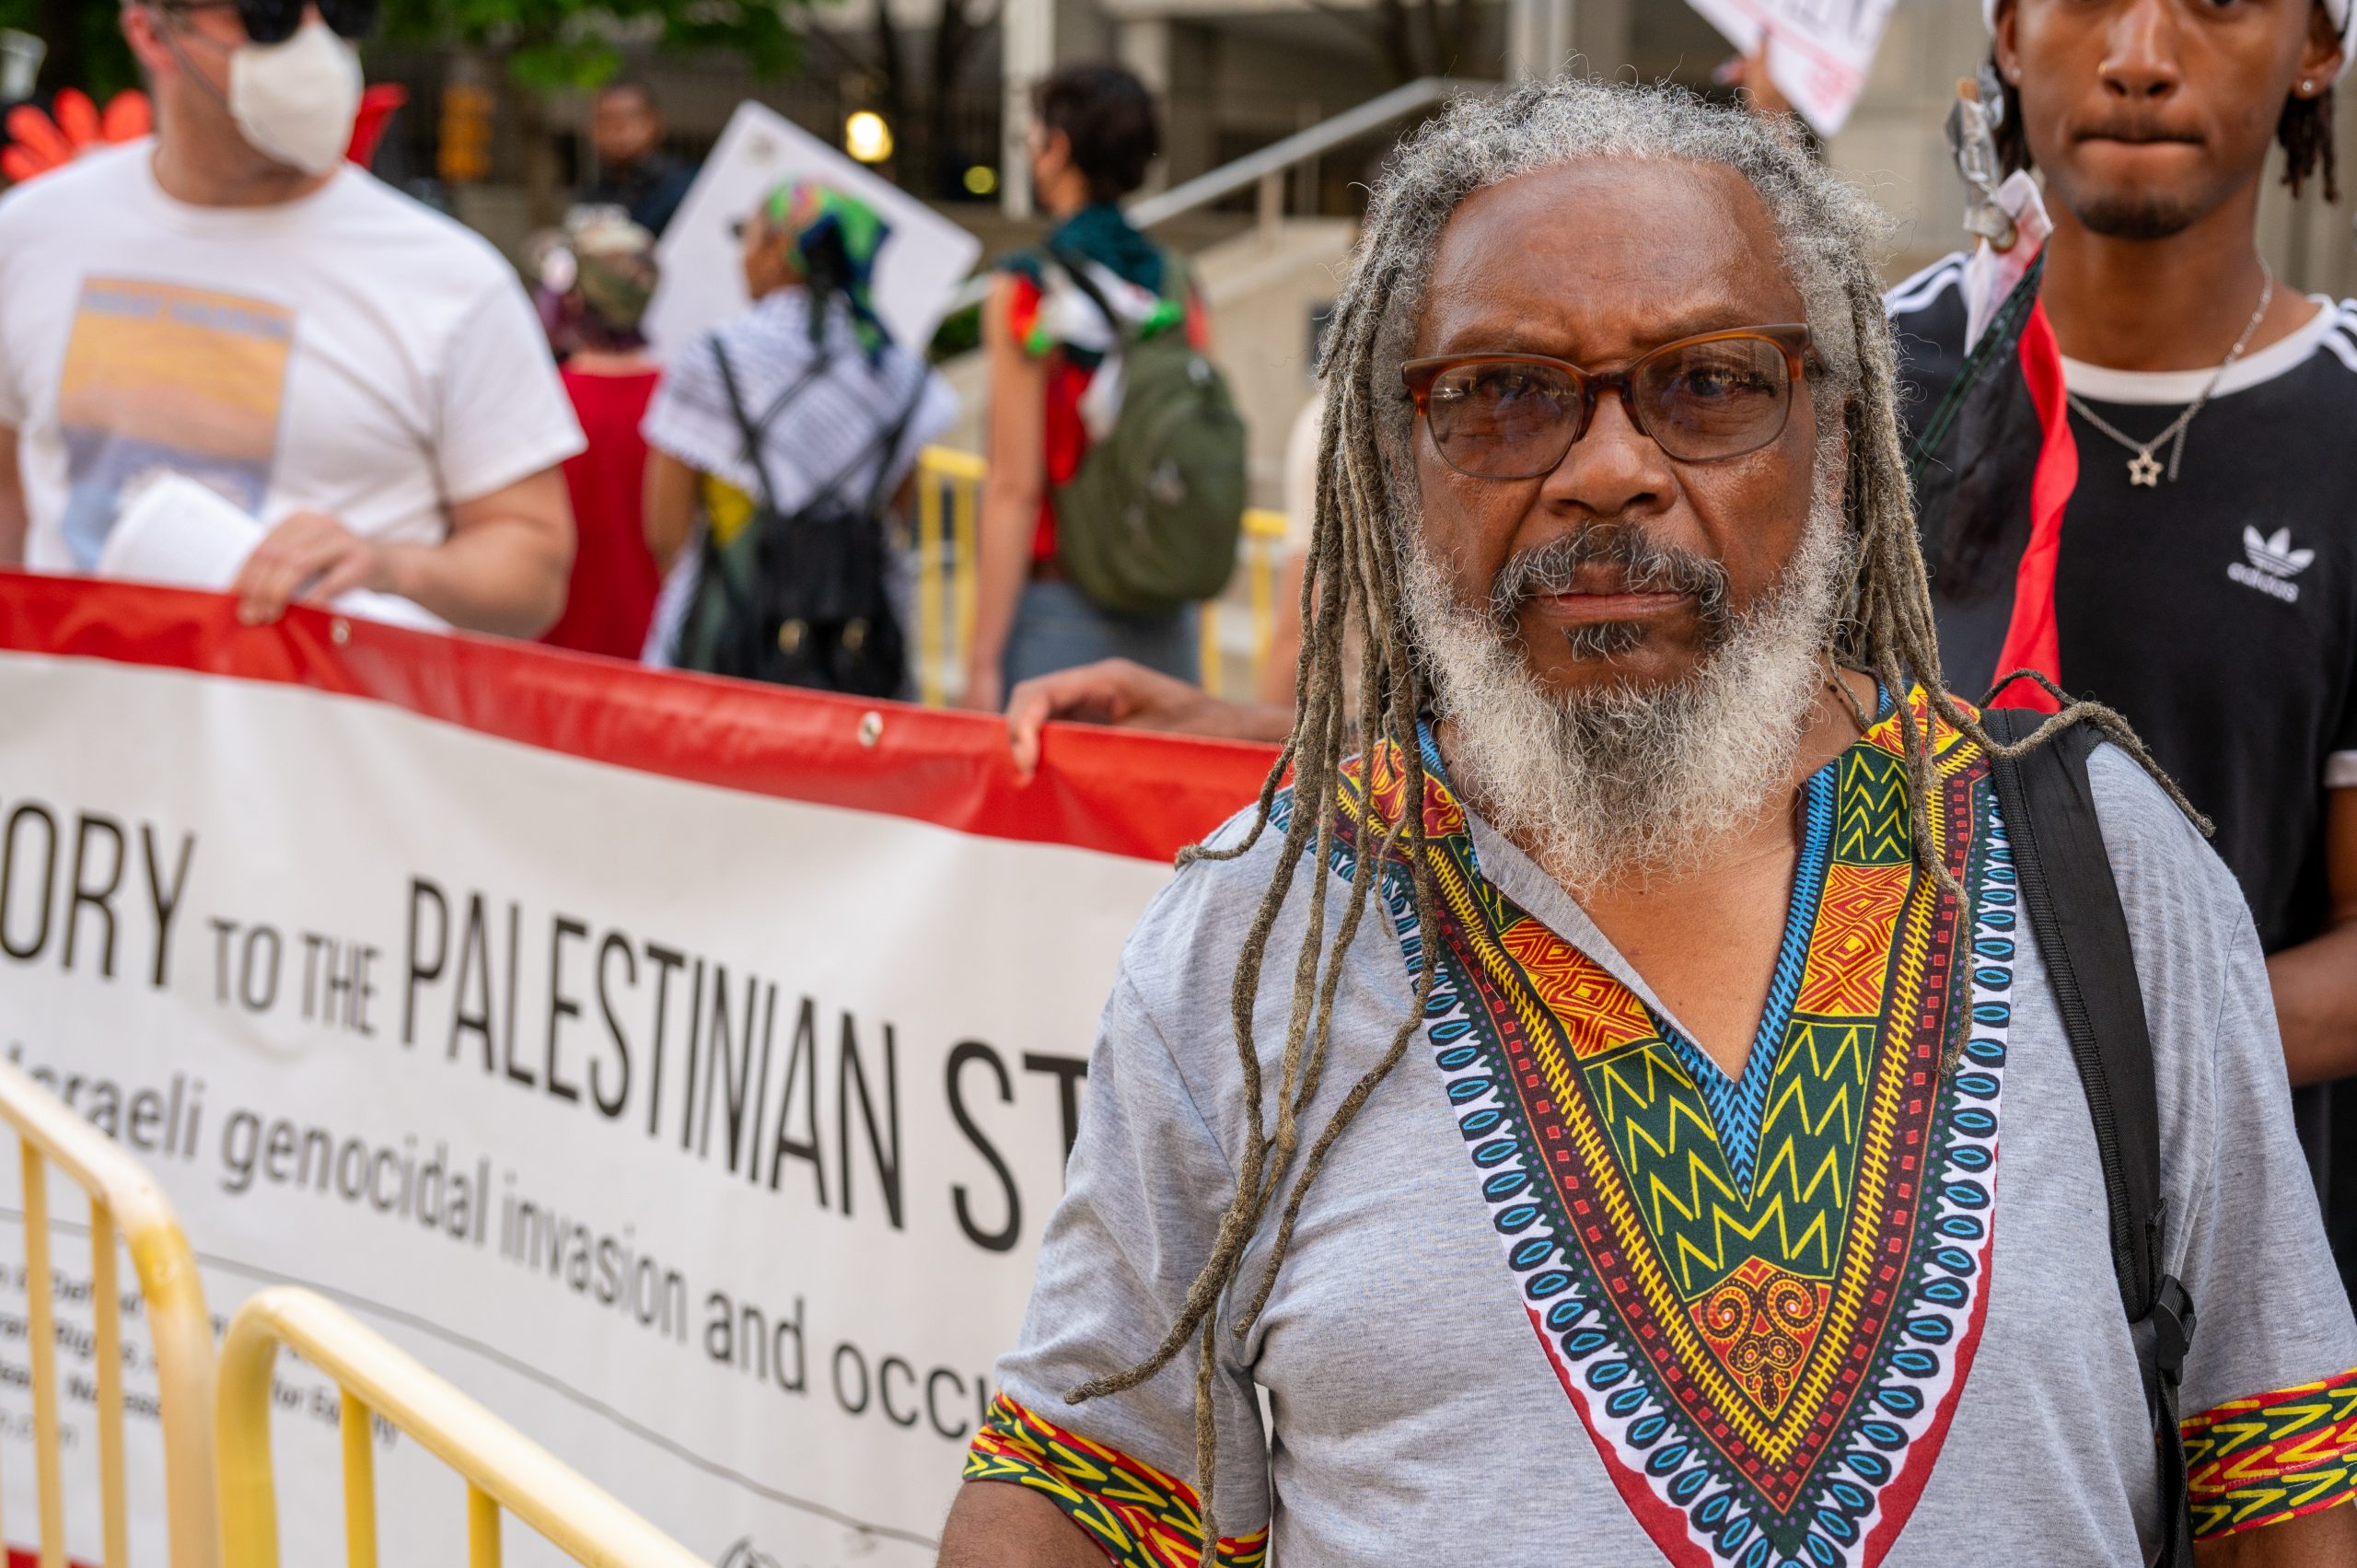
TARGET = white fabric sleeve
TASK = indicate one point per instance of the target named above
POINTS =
(1144, 1195)
(503, 413)
(688, 418)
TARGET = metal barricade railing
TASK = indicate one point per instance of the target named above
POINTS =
(1263, 550)
(128, 1209)
(949, 500)
(501, 1469)
(949, 485)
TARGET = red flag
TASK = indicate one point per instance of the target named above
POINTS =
(2030, 640)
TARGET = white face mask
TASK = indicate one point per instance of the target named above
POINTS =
(295, 102)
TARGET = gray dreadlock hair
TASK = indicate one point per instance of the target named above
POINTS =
(1366, 512)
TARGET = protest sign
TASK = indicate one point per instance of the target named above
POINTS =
(1818, 51)
(684, 1069)
(703, 282)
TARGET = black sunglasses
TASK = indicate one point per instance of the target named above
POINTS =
(275, 21)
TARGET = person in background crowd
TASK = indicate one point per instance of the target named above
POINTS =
(231, 302)
(1690, 1023)
(1092, 135)
(819, 376)
(2206, 585)
(594, 281)
(634, 171)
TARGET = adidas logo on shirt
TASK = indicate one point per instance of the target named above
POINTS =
(2273, 564)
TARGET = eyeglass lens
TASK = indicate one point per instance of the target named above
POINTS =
(1507, 419)
(275, 21)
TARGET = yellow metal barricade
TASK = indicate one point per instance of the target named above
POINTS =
(1263, 550)
(126, 1208)
(949, 485)
(949, 495)
(501, 1469)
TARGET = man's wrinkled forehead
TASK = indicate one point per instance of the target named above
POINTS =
(1599, 260)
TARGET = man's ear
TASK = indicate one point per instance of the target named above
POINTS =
(2009, 59)
(143, 30)
(2321, 57)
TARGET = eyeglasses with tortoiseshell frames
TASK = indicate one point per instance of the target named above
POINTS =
(1515, 415)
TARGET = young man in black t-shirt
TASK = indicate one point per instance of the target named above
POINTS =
(2207, 579)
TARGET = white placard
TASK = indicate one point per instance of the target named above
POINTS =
(703, 284)
(1818, 51)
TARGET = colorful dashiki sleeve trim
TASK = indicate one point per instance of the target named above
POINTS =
(2272, 1457)
(1139, 1517)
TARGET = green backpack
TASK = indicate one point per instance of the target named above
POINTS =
(1150, 523)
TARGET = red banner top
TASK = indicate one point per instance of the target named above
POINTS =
(1117, 791)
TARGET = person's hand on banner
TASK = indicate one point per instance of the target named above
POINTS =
(309, 558)
(1115, 691)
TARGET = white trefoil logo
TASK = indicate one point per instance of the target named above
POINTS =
(2273, 564)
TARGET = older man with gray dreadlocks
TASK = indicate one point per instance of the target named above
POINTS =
(1609, 1108)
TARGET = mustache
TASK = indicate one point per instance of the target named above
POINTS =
(2134, 128)
(1642, 565)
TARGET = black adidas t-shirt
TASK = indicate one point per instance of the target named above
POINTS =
(2219, 613)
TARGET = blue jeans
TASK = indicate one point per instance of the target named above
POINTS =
(1056, 628)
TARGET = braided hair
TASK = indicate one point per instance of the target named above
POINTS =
(1353, 607)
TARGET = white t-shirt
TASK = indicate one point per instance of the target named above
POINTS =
(351, 353)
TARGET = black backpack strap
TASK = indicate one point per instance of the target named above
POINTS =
(887, 437)
(754, 429)
(742, 621)
(880, 493)
(1075, 267)
(2065, 880)
(883, 446)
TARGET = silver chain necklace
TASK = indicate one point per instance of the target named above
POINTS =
(2143, 468)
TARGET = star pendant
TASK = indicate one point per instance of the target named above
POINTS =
(2146, 470)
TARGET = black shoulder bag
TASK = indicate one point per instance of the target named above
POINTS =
(2065, 880)
(802, 600)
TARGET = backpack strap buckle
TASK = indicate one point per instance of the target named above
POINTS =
(2170, 1323)
(2163, 1336)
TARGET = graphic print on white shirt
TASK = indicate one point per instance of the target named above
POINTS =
(349, 352)
(2272, 563)
(158, 380)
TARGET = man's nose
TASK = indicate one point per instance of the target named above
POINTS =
(2140, 61)
(1613, 468)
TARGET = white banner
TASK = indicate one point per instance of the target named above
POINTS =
(1818, 51)
(704, 1135)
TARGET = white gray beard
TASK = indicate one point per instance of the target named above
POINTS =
(1629, 781)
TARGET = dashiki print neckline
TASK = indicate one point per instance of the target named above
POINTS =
(1763, 1295)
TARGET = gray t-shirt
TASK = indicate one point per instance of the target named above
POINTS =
(1805, 1316)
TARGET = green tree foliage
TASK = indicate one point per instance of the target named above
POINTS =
(555, 46)
(547, 46)
(550, 45)
(85, 38)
